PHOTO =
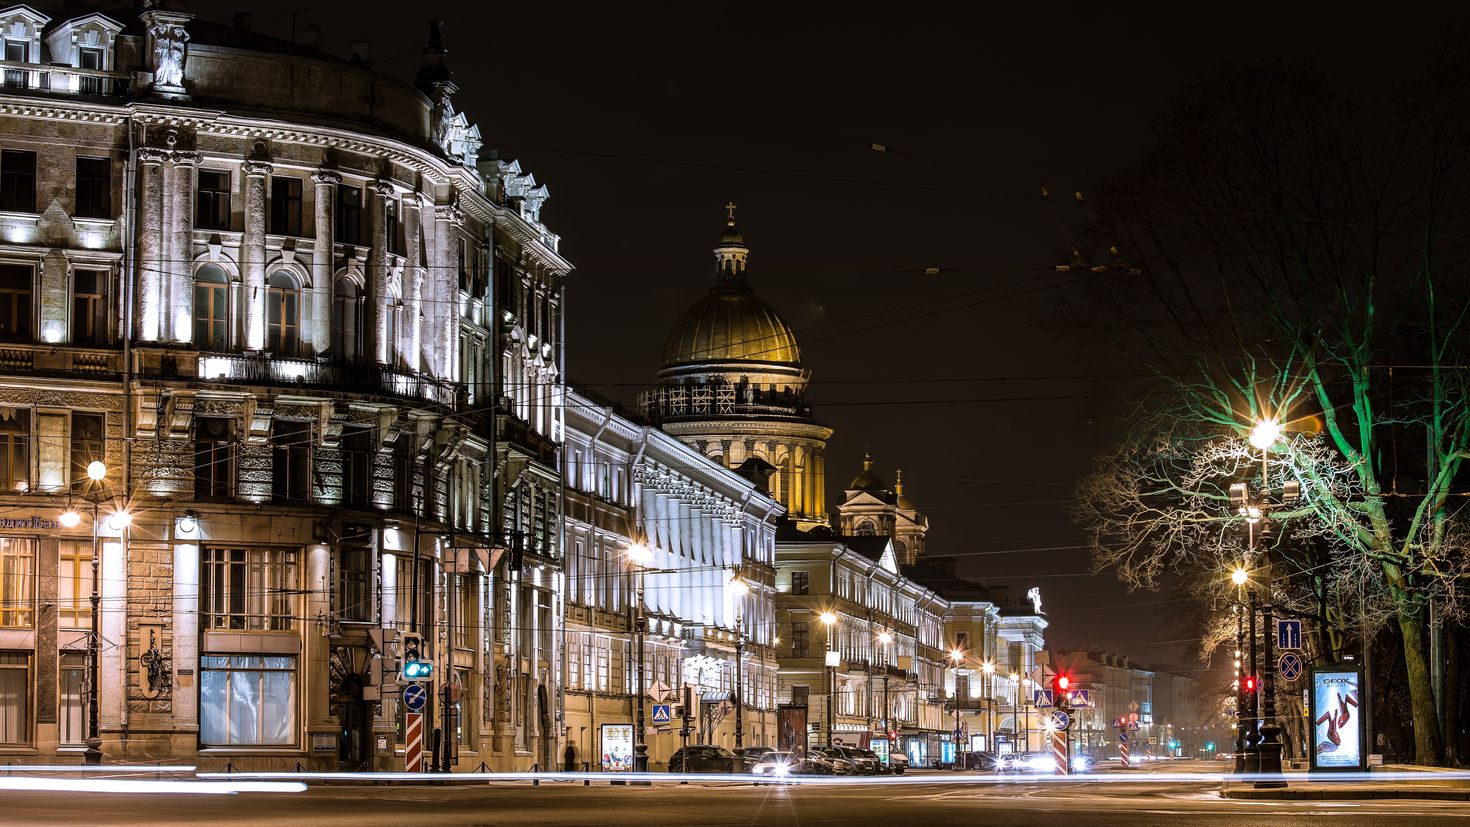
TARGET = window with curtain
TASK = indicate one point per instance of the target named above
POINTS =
(247, 700)
(74, 585)
(211, 308)
(283, 315)
(15, 450)
(17, 583)
(250, 589)
(73, 700)
(15, 694)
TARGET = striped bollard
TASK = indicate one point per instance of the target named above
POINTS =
(1123, 748)
(413, 742)
(1059, 750)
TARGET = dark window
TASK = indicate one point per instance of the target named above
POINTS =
(94, 187)
(15, 453)
(800, 694)
(17, 181)
(87, 444)
(214, 458)
(801, 638)
(283, 316)
(403, 451)
(212, 205)
(962, 642)
(349, 215)
(285, 211)
(346, 319)
(801, 582)
(211, 308)
(291, 461)
(15, 52)
(15, 303)
(90, 59)
(89, 307)
(355, 576)
(394, 230)
(357, 466)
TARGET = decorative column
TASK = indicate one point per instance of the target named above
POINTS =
(413, 276)
(180, 222)
(150, 244)
(447, 218)
(257, 173)
(379, 296)
(322, 256)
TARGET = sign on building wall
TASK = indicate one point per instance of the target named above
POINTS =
(617, 747)
(1337, 719)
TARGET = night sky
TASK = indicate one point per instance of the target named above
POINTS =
(645, 122)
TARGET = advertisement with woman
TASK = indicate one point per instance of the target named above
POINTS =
(1337, 720)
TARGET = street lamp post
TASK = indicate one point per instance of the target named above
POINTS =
(829, 619)
(640, 556)
(740, 588)
(958, 659)
(989, 669)
(885, 637)
(96, 476)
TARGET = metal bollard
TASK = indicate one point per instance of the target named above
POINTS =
(535, 768)
(587, 768)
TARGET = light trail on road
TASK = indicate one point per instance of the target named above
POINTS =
(181, 787)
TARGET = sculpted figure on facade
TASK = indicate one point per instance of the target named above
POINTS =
(168, 55)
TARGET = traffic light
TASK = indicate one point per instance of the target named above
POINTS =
(415, 668)
(1250, 683)
(1061, 689)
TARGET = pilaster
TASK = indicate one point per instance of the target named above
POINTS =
(257, 174)
(151, 304)
(322, 280)
(379, 295)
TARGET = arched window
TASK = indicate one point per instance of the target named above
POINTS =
(211, 308)
(865, 529)
(346, 320)
(283, 315)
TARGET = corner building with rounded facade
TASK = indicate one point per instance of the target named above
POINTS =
(315, 338)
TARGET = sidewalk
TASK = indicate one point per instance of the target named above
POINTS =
(1398, 781)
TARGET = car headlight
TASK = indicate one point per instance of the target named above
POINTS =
(782, 769)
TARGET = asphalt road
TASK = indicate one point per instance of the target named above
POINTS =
(939, 799)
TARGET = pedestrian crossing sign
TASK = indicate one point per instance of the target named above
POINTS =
(661, 714)
(1043, 699)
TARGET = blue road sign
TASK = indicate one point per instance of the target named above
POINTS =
(1042, 700)
(1060, 720)
(414, 697)
(661, 714)
(1290, 666)
(1082, 697)
(1122, 737)
(1288, 635)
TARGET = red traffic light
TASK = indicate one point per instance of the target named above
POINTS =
(1250, 683)
(1064, 682)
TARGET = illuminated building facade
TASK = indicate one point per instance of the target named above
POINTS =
(315, 338)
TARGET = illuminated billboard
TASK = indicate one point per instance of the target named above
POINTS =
(1336, 714)
(617, 747)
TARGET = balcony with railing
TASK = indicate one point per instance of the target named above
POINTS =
(264, 369)
(19, 76)
(721, 399)
(58, 360)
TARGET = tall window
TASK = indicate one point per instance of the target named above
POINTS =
(212, 204)
(801, 638)
(247, 700)
(211, 308)
(17, 180)
(801, 582)
(395, 320)
(15, 694)
(250, 589)
(346, 318)
(15, 302)
(355, 577)
(285, 212)
(291, 461)
(94, 187)
(90, 59)
(403, 456)
(214, 457)
(89, 307)
(349, 214)
(72, 686)
(87, 445)
(17, 583)
(393, 227)
(15, 453)
(283, 315)
(357, 466)
(15, 52)
(74, 585)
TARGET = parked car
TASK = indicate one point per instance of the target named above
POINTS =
(982, 761)
(898, 762)
(1007, 762)
(879, 768)
(752, 755)
(705, 758)
(775, 764)
(1036, 762)
(819, 764)
(841, 764)
(861, 764)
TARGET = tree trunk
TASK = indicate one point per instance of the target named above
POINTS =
(1421, 696)
(1452, 698)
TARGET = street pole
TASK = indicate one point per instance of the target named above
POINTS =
(640, 748)
(739, 682)
(93, 755)
(1252, 752)
(1269, 748)
(1240, 694)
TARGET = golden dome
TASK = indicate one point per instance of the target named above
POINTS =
(731, 325)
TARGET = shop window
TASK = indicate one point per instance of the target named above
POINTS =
(15, 695)
(17, 179)
(89, 308)
(212, 201)
(72, 698)
(250, 589)
(74, 585)
(291, 461)
(285, 207)
(16, 290)
(247, 700)
(87, 446)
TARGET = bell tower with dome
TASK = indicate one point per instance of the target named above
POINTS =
(870, 507)
(732, 386)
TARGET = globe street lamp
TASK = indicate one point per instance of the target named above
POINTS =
(885, 637)
(829, 620)
(740, 589)
(639, 556)
(957, 658)
(117, 521)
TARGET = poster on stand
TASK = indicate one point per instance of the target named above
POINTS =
(1336, 715)
(792, 733)
(617, 747)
